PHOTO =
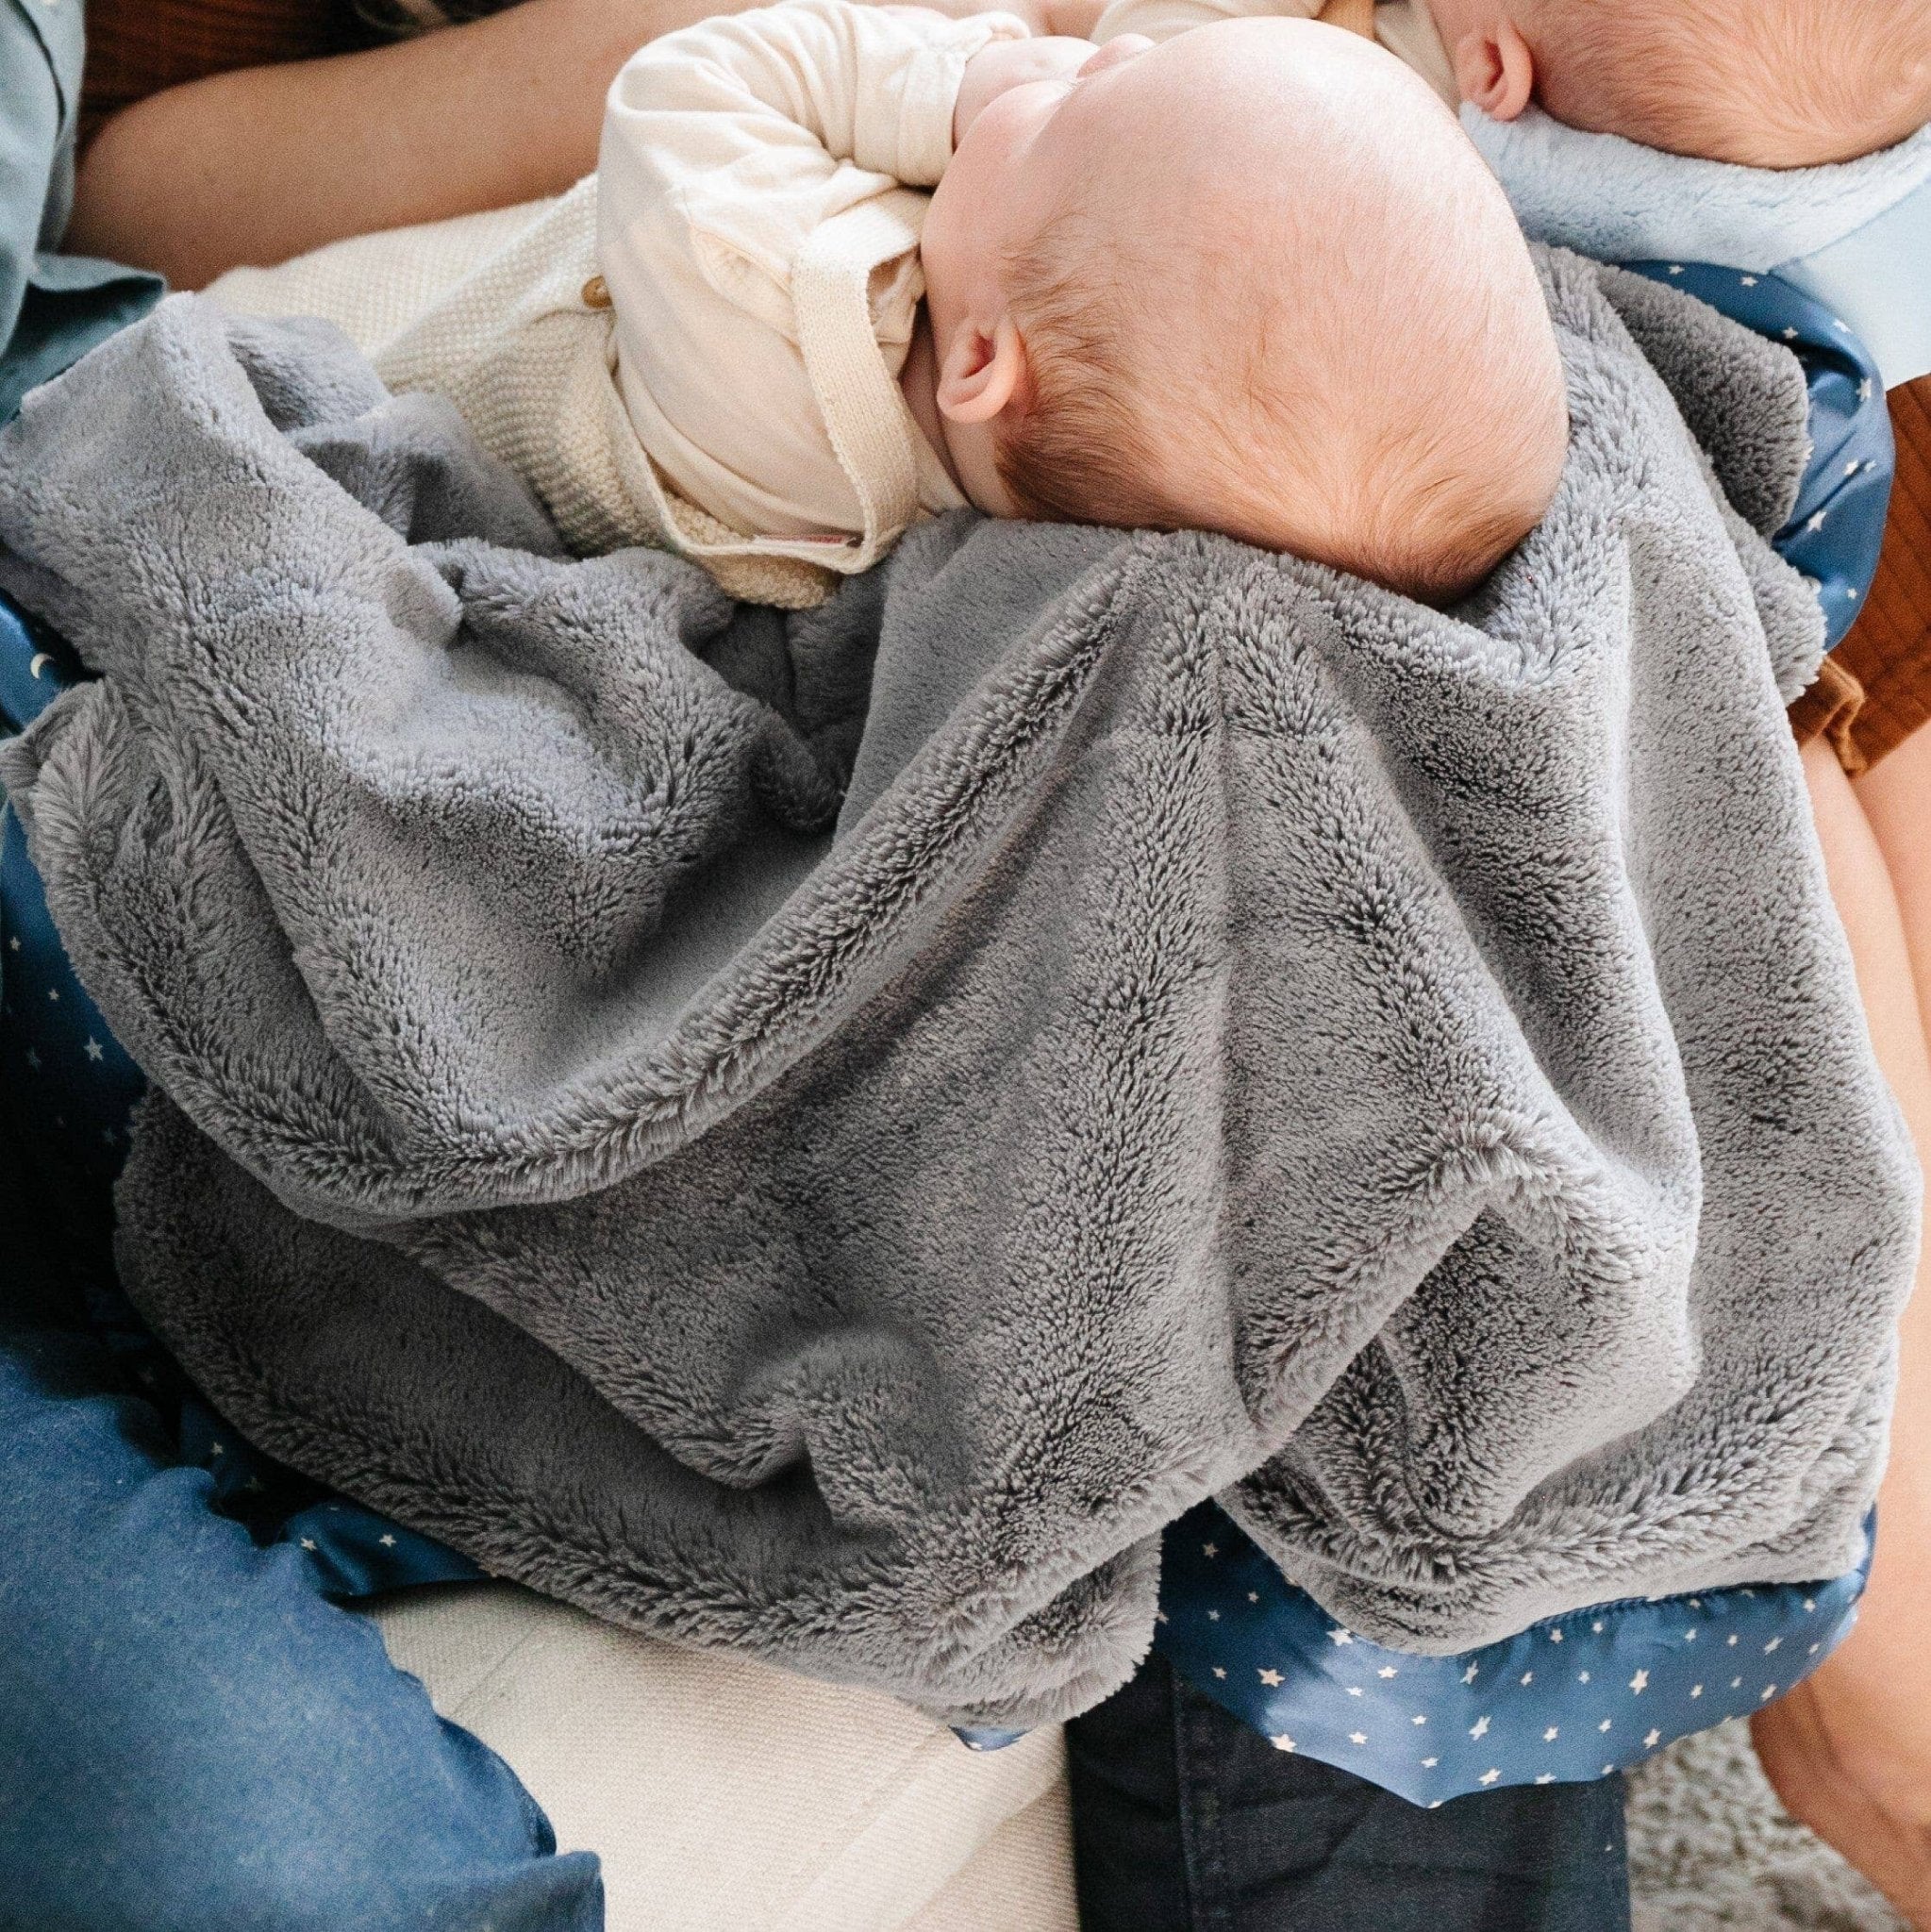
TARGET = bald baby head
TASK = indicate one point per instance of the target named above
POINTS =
(1283, 298)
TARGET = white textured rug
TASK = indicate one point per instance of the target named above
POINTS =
(1710, 1849)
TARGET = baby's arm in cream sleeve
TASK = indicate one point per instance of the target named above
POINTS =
(1160, 20)
(1403, 27)
(726, 147)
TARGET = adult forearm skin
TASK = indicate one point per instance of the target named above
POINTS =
(265, 163)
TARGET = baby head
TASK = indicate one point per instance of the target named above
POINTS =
(1767, 83)
(1254, 280)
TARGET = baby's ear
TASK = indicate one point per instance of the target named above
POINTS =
(1496, 69)
(981, 370)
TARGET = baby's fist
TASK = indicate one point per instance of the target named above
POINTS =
(1002, 66)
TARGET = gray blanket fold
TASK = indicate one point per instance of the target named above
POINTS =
(823, 1134)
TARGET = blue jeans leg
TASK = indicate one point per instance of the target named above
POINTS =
(1184, 1820)
(192, 1739)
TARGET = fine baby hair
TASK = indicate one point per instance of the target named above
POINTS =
(1765, 83)
(1281, 298)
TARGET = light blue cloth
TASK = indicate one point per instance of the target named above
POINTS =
(1879, 280)
(53, 307)
(1856, 237)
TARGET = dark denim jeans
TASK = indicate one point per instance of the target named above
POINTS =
(1184, 1820)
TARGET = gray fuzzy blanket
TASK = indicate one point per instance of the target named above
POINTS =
(822, 1135)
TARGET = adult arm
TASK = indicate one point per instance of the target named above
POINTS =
(254, 167)
(53, 308)
(1849, 1750)
(262, 164)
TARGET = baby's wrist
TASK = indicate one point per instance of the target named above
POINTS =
(1003, 64)
(1073, 19)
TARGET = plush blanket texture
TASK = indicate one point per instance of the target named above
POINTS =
(822, 1133)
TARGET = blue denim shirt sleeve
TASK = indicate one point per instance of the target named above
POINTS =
(1835, 533)
(53, 307)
